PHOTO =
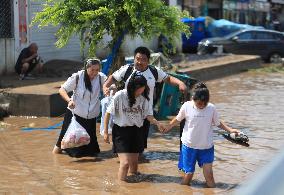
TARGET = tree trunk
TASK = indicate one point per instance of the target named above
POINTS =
(118, 61)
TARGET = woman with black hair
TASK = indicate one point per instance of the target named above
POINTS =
(129, 108)
(86, 85)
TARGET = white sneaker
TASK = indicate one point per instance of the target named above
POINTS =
(22, 77)
(29, 78)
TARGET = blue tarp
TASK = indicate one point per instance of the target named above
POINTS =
(198, 32)
(222, 27)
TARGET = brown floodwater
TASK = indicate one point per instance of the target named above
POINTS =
(252, 102)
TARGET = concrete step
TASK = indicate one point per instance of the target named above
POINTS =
(34, 100)
(222, 66)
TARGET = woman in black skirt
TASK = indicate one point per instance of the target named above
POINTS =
(85, 105)
(129, 108)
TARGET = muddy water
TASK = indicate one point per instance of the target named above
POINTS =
(252, 102)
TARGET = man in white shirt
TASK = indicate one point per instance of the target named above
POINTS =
(141, 65)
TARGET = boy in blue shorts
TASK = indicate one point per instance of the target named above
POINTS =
(197, 137)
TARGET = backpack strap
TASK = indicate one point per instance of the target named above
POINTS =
(101, 88)
(128, 72)
(154, 71)
(77, 80)
(100, 80)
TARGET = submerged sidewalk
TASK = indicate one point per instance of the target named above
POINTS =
(40, 97)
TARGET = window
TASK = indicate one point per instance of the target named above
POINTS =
(6, 19)
(264, 36)
(278, 37)
(245, 36)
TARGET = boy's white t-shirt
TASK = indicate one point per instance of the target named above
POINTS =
(119, 74)
(124, 115)
(198, 128)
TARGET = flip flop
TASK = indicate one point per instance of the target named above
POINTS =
(240, 139)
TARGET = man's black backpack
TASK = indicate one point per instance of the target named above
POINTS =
(129, 71)
(154, 71)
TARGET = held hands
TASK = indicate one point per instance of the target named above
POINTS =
(168, 128)
(161, 127)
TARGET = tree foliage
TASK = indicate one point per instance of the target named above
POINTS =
(92, 19)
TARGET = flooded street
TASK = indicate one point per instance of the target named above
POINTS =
(252, 102)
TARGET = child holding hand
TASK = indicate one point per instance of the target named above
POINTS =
(129, 107)
(197, 138)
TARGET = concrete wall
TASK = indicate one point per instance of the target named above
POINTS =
(7, 55)
(46, 38)
(128, 46)
(224, 69)
(32, 104)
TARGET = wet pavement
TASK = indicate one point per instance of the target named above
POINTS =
(249, 101)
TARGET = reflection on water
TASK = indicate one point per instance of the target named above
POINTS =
(251, 102)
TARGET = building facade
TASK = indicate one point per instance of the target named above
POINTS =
(253, 12)
(277, 15)
(266, 13)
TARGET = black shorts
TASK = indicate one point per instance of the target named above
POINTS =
(127, 139)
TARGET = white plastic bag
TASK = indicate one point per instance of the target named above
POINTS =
(75, 136)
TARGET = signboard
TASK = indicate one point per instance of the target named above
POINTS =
(23, 33)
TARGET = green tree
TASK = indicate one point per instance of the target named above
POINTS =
(92, 19)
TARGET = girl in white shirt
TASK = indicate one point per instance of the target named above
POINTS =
(129, 108)
(85, 104)
(197, 137)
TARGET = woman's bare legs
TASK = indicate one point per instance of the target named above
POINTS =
(123, 165)
(133, 164)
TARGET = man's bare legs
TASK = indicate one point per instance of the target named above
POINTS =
(39, 68)
(25, 68)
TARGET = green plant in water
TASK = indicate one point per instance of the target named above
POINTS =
(270, 68)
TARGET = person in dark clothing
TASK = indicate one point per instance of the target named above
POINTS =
(27, 61)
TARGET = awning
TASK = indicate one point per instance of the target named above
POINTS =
(278, 1)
